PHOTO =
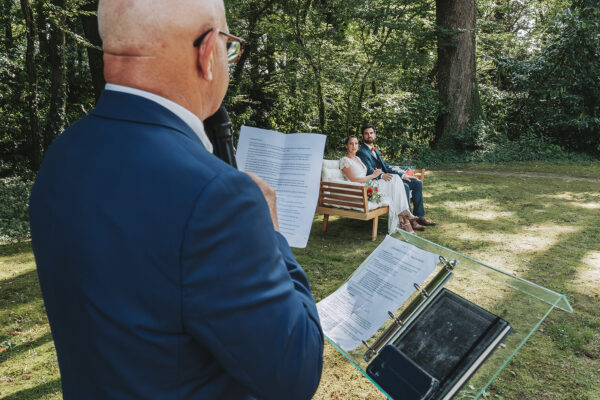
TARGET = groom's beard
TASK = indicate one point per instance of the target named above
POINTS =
(369, 141)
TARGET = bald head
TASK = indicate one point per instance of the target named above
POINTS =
(149, 27)
(148, 44)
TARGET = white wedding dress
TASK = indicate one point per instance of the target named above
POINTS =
(392, 192)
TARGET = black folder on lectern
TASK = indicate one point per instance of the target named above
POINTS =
(438, 352)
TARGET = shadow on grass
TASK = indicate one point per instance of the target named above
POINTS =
(19, 290)
(547, 214)
(11, 249)
(36, 392)
(554, 210)
(17, 350)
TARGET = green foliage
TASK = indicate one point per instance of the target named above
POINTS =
(493, 147)
(14, 200)
(331, 66)
(326, 67)
(13, 79)
(554, 92)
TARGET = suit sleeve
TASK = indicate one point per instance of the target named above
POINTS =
(386, 167)
(244, 295)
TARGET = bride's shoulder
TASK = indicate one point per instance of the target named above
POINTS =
(344, 162)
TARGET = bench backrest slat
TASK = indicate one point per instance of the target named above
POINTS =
(343, 195)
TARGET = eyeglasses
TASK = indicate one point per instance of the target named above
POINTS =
(235, 45)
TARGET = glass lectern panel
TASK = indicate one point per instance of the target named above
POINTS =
(522, 304)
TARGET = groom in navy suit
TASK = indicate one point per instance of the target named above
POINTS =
(162, 269)
(373, 159)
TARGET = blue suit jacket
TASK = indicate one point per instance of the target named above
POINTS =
(366, 156)
(161, 274)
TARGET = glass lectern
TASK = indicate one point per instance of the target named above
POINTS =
(523, 304)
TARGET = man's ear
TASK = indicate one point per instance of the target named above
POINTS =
(206, 55)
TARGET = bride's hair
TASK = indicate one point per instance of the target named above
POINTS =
(348, 139)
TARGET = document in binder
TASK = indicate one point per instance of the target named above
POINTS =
(358, 308)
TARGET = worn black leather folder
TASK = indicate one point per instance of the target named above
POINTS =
(442, 347)
(400, 376)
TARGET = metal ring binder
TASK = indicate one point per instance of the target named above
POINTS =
(367, 346)
(412, 310)
(422, 291)
(396, 320)
(449, 265)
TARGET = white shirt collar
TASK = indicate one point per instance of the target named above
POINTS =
(186, 115)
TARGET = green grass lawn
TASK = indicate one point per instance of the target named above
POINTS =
(541, 228)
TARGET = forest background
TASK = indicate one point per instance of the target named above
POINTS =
(443, 81)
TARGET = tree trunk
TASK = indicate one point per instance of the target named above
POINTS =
(314, 62)
(7, 22)
(90, 29)
(55, 122)
(456, 70)
(42, 31)
(31, 129)
(256, 12)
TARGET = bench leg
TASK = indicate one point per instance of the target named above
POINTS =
(325, 219)
(374, 233)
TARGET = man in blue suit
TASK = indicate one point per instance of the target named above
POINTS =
(373, 159)
(162, 269)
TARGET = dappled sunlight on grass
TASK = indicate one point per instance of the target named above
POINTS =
(538, 238)
(15, 262)
(341, 380)
(587, 280)
(482, 209)
(541, 229)
(28, 364)
(579, 200)
(533, 238)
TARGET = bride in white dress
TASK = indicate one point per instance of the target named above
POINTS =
(392, 191)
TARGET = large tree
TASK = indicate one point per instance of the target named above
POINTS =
(56, 58)
(90, 27)
(31, 129)
(456, 70)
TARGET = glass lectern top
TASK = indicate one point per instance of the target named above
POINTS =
(523, 304)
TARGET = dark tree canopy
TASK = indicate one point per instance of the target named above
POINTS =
(464, 75)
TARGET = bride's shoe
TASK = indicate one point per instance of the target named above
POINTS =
(408, 215)
(407, 226)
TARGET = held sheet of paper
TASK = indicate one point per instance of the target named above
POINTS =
(358, 308)
(292, 165)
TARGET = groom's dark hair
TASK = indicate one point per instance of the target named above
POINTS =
(366, 126)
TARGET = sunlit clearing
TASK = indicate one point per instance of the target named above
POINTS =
(533, 238)
(588, 276)
(589, 206)
(575, 201)
(484, 209)
(510, 251)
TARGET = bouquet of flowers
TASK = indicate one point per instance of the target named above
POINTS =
(373, 191)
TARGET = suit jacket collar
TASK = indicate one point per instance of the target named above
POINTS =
(367, 150)
(132, 108)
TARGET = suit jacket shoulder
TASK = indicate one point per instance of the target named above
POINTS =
(129, 202)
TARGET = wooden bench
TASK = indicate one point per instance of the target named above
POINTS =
(332, 195)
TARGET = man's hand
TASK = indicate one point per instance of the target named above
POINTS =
(270, 196)
(376, 173)
(387, 177)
